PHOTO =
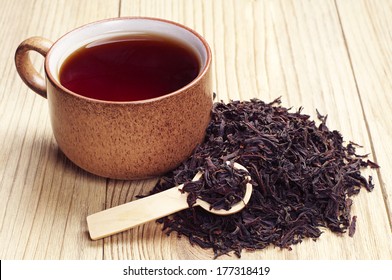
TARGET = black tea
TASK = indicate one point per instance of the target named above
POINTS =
(302, 176)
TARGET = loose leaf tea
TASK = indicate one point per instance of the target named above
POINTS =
(302, 174)
(221, 185)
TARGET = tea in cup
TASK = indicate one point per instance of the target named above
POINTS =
(129, 98)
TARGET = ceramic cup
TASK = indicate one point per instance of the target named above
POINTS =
(121, 140)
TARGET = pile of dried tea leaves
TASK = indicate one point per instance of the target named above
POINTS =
(302, 174)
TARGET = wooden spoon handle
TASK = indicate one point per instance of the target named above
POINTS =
(131, 214)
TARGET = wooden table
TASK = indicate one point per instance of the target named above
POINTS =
(334, 56)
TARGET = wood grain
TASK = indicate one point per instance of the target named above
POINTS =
(327, 55)
(363, 23)
(45, 198)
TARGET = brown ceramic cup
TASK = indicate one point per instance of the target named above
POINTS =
(121, 140)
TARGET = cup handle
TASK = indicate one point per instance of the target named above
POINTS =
(32, 78)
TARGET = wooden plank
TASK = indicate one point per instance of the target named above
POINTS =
(45, 198)
(367, 30)
(306, 59)
(266, 49)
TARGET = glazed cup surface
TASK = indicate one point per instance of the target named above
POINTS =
(125, 140)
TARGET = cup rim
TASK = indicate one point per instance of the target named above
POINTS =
(201, 74)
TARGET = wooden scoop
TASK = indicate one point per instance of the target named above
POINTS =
(134, 213)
